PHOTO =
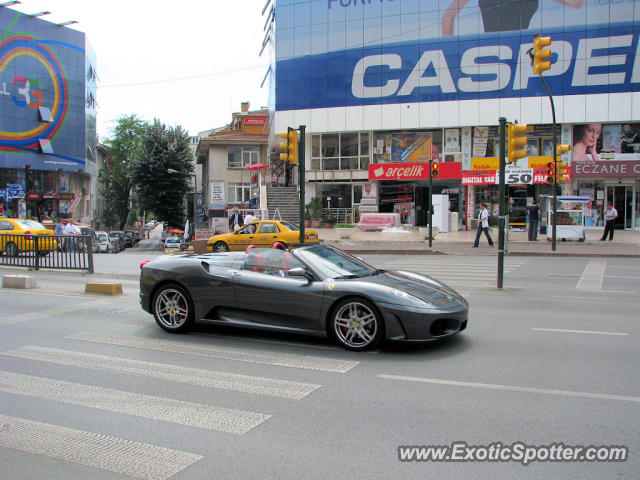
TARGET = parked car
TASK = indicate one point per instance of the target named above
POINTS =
(318, 290)
(172, 242)
(129, 238)
(120, 235)
(104, 243)
(117, 244)
(19, 237)
(151, 225)
(262, 233)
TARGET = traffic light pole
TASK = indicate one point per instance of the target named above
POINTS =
(301, 180)
(430, 202)
(555, 166)
(502, 213)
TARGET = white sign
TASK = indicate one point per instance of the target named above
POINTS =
(518, 176)
(217, 195)
(204, 233)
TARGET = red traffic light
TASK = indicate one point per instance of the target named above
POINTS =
(435, 169)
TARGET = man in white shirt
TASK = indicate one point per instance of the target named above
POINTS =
(249, 217)
(483, 225)
(610, 215)
(70, 229)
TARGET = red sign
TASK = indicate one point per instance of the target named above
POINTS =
(606, 169)
(479, 177)
(412, 171)
(254, 121)
(51, 195)
(490, 177)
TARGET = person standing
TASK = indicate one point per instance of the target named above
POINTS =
(71, 230)
(249, 217)
(610, 215)
(534, 215)
(483, 225)
(235, 219)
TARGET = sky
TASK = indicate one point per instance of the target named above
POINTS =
(185, 62)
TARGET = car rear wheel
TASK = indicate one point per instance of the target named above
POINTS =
(173, 308)
(356, 324)
(220, 247)
(11, 249)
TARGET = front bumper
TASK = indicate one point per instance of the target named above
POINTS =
(419, 325)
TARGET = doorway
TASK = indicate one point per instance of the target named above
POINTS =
(621, 197)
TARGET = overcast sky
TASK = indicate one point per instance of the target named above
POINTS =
(185, 62)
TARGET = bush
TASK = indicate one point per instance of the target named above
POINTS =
(345, 225)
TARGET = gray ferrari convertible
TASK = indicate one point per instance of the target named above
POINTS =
(318, 290)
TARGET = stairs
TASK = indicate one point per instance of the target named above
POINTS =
(285, 199)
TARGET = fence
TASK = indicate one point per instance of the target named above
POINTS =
(338, 215)
(63, 252)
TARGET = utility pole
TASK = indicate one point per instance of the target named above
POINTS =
(301, 180)
(502, 212)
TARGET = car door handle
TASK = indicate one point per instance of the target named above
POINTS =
(250, 236)
(235, 274)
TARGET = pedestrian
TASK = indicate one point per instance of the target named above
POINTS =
(59, 228)
(534, 215)
(70, 230)
(483, 225)
(610, 215)
(235, 219)
(249, 217)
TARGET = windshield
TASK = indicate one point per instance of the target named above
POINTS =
(333, 263)
(291, 226)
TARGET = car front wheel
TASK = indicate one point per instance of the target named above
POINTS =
(220, 247)
(356, 324)
(172, 308)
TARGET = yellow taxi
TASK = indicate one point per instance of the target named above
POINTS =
(261, 233)
(17, 235)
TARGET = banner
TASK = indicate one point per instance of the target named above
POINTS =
(414, 147)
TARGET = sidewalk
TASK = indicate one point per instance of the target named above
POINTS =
(625, 244)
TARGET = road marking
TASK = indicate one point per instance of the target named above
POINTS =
(619, 276)
(139, 460)
(593, 332)
(48, 312)
(146, 406)
(593, 276)
(513, 388)
(227, 353)
(194, 376)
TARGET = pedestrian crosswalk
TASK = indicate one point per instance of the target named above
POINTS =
(120, 455)
(454, 271)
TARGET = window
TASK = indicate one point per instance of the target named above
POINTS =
(238, 192)
(242, 157)
(269, 228)
(340, 151)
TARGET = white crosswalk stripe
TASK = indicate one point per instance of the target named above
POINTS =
(135, 459)
(227, 353)
(146, 406)
(226, 381)
(49, 312)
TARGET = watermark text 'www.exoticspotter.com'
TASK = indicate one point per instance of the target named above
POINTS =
(514, 452)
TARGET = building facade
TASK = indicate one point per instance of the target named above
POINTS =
(225, 154)
(47, 119)
(384, 86)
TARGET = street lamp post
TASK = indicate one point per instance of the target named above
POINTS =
(195, 191)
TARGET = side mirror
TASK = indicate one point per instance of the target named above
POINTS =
(300, 272)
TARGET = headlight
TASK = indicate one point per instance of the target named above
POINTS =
(409, 297)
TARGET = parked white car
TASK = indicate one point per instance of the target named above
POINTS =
(172, 242)
(104, 242)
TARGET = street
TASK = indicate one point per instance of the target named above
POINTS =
(551, 358)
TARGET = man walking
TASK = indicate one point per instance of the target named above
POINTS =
(235, 220)
(610, 215)
(534, 212)
(483, 225)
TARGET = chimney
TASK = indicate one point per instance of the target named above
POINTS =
(244, 107)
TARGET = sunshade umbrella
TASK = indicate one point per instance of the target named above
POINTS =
(255, 166)
(186, 230)
(175, 230)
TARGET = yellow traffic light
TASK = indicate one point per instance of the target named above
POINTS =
(435, 169)
(551, 173)
(563, 172)
(540, 54)
(516, 141)
(290, 146)
(562, 149)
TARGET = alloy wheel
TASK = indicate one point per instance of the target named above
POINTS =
(356, 325)
(172, 308)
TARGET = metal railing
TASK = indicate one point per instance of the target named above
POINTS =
(63, 252)
(338, 215)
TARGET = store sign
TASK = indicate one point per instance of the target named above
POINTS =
(254, 121)
(523, 176)
(520, 176)
(412, 171)
(607, 169)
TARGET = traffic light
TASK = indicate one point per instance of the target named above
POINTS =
(551, 173)
(562, 149)
(435, 169)
(540, 54)
(516, 140)
(290, 146)
(563, 172)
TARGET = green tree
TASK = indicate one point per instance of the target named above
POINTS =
(162, 172)
(116, 177)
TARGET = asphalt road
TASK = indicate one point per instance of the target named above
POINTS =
(91, 387)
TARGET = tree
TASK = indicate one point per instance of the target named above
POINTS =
(164, 150)
(116, 177)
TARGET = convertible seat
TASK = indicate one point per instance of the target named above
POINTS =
(254, 261)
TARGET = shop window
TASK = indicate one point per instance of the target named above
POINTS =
(340, 151)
